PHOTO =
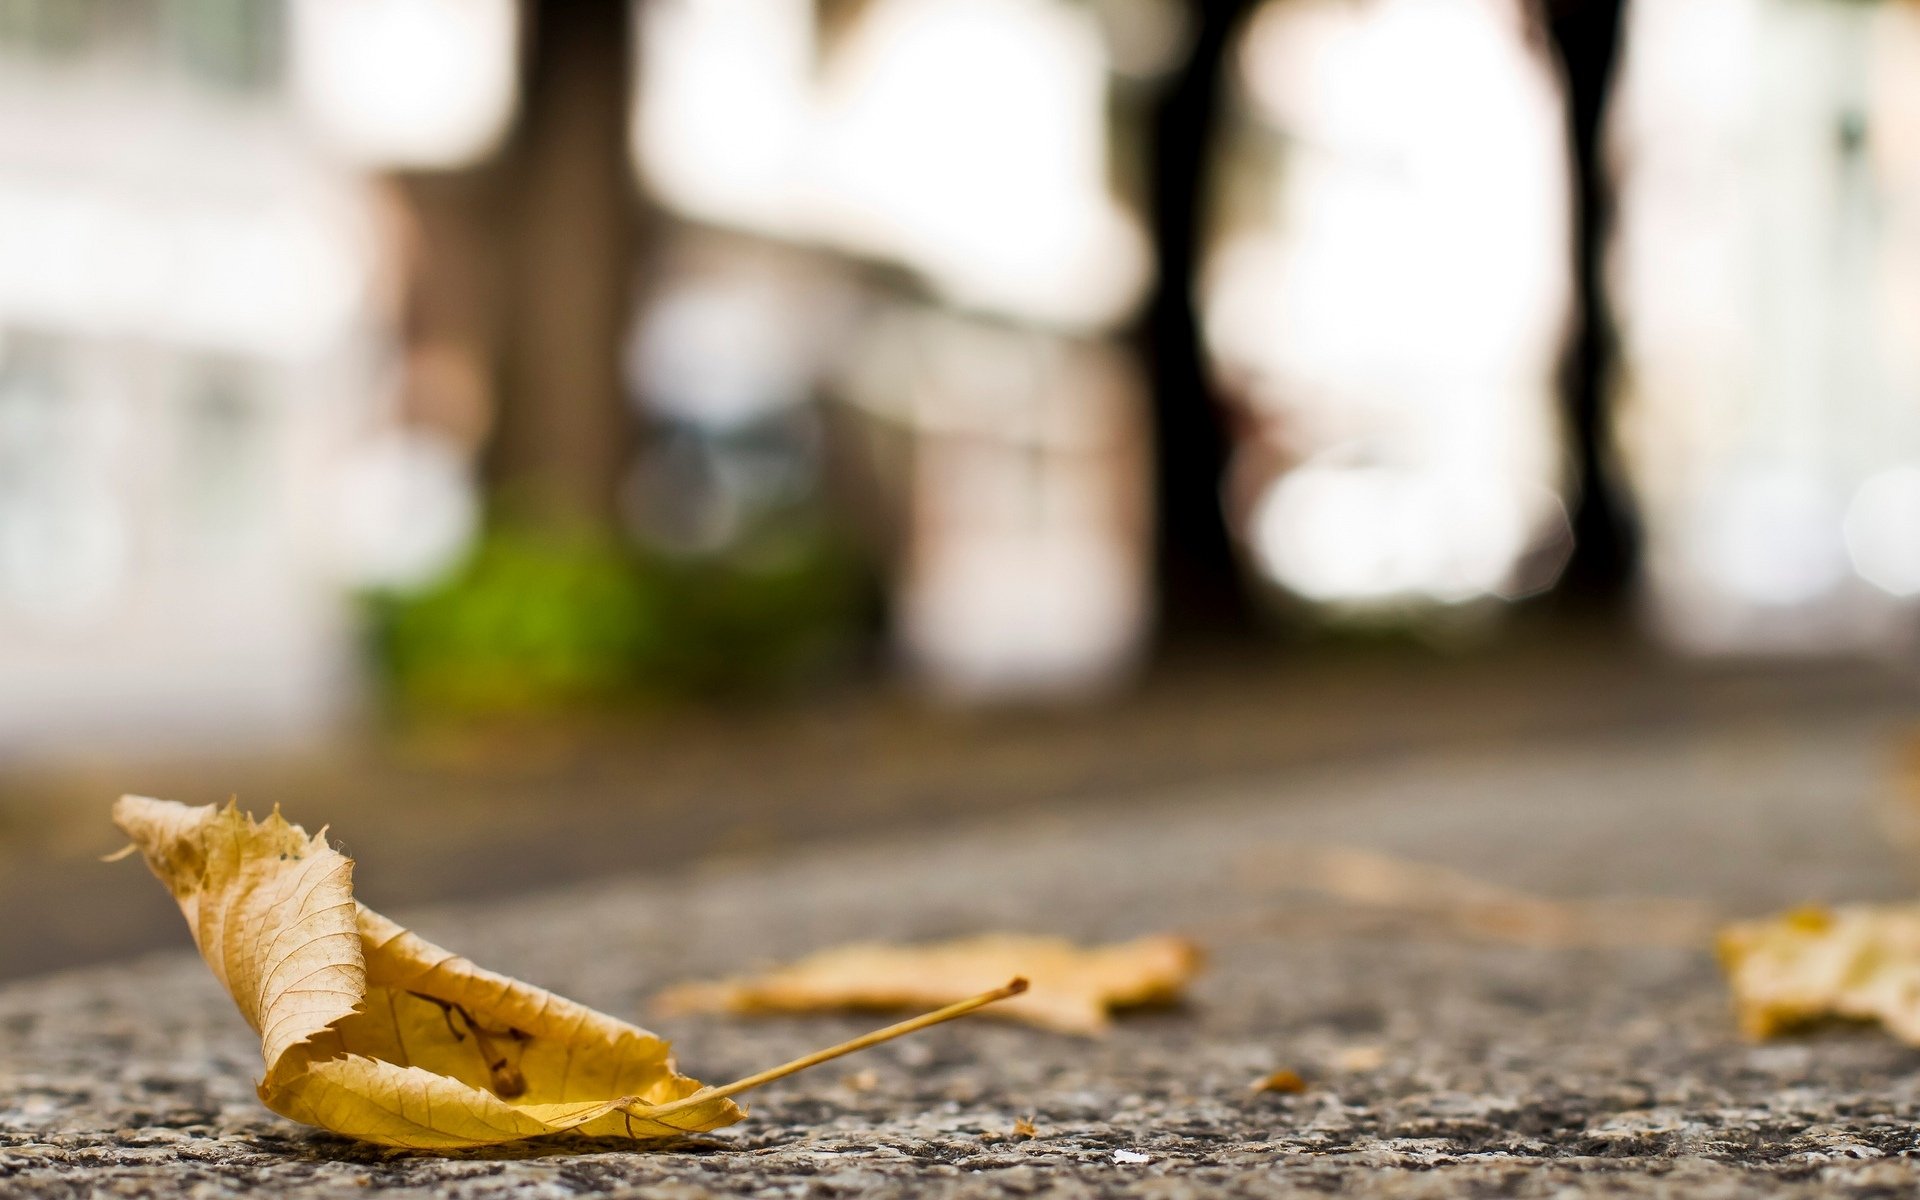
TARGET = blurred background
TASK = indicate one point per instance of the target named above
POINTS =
(546, 439)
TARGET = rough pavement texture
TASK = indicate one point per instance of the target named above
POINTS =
(1437, 1064)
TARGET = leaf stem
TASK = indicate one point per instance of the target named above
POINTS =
(913, 1025)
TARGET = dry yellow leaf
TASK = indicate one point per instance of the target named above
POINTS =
(1360, 1058)
(1073, 988)
(372, 1032)
(1860, 962)
(1284, 1081)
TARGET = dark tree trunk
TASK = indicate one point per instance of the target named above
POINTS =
(564, 435)
(1585, 37)
(1201, 593)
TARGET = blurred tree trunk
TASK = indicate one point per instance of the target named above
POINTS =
(569, 226)
(1585, 37)
(1201, 590)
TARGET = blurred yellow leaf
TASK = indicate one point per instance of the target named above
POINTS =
(1426, 894)
(1861, 962)
(1073, 988)
(372, 1032)
(1360, 1058)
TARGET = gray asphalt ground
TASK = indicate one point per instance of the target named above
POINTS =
(475, 813)
(1437, 1062)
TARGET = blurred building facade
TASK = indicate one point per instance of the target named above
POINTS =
(604, 341)
(1768, 162)
(188, 341)
(983, 264)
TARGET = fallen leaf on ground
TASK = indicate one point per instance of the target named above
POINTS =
(1073, 988)
(369, 1031)
(1283, 1081)
(1426, 894)
(1024, 1127)
(1861, 962)
(1360, 1058)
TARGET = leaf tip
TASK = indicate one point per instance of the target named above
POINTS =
(121, 854)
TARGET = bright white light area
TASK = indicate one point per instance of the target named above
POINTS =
(1376, 534)
(407, 83)
(1391, 297)
(1766, 244)
(723, 108)
(280, 279)
(406, 508)
(969, 138)
(1421, 221)
(966, 139)
(1771, 538)
(1894, 145)
(1883, 531)
(1037, 611)
(722, 350)
(63, 553)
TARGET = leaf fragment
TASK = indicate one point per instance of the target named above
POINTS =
(370, 1031)
(1360, 1058)
(1284, 1081)
(1422, 894)
(1073, 989)
(1858, 962)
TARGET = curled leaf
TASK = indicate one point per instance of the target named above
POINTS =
(1861, 962)
(1073, 990)
(369, 1031)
